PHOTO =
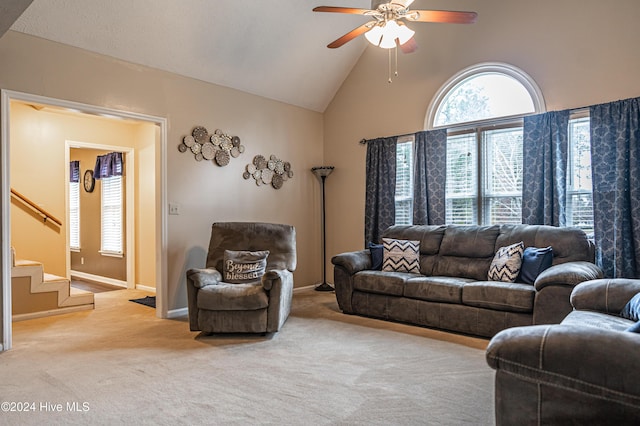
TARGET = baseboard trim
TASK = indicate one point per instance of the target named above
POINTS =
(99, 279)
(145, 288)
(307, 287)
(60, 311)
(177, 313)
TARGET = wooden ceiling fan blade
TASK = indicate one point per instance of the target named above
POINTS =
(351, 35)
(409, 46)
(334, 9)
(442, 16)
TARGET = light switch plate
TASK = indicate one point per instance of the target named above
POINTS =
(174, 208)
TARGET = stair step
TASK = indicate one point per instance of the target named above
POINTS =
(49, 278)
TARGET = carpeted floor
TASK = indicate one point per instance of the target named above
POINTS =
(119, 364)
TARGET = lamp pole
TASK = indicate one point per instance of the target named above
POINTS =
(322, 172)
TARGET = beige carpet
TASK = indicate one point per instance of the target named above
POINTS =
(121, 365)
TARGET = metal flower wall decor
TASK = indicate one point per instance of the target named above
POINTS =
(272, 172)
(217, 147)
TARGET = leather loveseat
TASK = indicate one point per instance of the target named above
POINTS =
(584, 371)
(452, 291)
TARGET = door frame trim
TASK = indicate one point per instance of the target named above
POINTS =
(6, 96)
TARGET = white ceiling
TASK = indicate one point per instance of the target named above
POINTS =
(275, 48)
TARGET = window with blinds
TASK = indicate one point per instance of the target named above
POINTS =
(502, 188)
(74, 215)
(112, 212)
(404, 182)
(462, 184)
(579, 187)
(484, 176)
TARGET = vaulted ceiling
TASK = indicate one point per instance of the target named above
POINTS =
(276, 48)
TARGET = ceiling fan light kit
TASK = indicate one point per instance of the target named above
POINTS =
(387, 30)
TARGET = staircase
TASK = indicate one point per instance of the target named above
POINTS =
(37, 294)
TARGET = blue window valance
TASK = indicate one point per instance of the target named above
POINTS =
(108, 165)
(74, 171)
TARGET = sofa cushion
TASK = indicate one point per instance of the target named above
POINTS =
(569, 244)
(512, 297)
(391, 283)
(232, 297)
(436, 289)
(506, 263)
(469, 241)
(534, 261)
(598, 320)
(243, 267)
(401, 256)
(466, 252)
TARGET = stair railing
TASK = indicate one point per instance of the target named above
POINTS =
(45, 214)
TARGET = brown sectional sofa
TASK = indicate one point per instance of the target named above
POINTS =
(452, 291)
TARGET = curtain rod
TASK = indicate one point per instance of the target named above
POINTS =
(364, 141)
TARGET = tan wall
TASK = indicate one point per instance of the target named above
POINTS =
(580, 52)
(88, 259)
(205, 192)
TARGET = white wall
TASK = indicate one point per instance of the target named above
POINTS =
(205, 192)
(580, 52)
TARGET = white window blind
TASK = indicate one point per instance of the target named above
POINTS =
(74, 215)
(404, 183)
(462, 185)
(579, 186)
(112, 215)
(502, 188)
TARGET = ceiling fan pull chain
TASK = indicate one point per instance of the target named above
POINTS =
(396, 53)
(389, 71)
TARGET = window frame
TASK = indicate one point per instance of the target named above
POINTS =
(487, 67)
(74, 188)
(579, 115)
(402, 140)
(110, 251)
(482, 197)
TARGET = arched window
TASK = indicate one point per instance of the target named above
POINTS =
(482, 108)
(484, 92)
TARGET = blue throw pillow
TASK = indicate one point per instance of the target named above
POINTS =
(631, 310)
(635, 328)
(377, 251)
(534, 261)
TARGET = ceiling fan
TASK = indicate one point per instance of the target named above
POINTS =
(387, 29)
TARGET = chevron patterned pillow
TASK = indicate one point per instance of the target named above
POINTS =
(401, 256)
(506, 263)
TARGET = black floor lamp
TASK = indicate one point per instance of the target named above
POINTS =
(322, 172)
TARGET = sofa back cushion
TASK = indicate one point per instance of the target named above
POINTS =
(466, 251)
(568, 244)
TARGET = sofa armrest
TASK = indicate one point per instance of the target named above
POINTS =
(203, 277)
(273, 275)
(604, 295)
(279, 285)
(585, 360)
(354, 261)
(570, 273)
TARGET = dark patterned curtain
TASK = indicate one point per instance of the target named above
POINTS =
(74, 171)
(108, 165)
(430, 177)
(544, 177)
(380, 208)
(615, 163)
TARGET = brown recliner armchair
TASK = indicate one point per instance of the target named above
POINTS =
(262, 306)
